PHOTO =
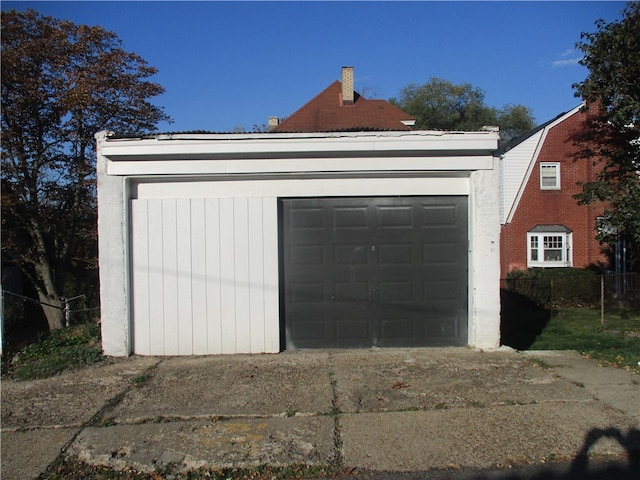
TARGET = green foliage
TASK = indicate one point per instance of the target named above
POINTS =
(556, 287)
(616, 341)
(441, 105)
(65, 349)
(612, 92)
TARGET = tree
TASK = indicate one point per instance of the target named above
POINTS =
(61, 83)
(441, 105)
(611, 92)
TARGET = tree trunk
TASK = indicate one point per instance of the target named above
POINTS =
(53, 306)
(53, 309)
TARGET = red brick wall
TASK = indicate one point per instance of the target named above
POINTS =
(555, 206)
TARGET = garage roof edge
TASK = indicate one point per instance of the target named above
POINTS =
(381, 144)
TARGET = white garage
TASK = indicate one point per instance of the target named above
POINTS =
(251, 243)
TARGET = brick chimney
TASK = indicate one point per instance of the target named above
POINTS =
(273, 123)
(347, 86)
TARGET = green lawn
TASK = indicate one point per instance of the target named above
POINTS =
(616, 340)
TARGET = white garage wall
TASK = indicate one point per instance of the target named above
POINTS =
(190, 298)
(184, 285)
(168, 205)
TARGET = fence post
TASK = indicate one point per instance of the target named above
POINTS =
(67, 311)
(601, 299)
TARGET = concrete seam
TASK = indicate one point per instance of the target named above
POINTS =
(338, 459)
(109, 404)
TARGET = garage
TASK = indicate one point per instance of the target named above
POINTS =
(258, 243)
(375, 271)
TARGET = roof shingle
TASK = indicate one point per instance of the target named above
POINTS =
(326, 113)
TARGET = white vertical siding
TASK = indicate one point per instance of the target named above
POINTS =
(205, 276)
(256, 275)
(515, 165)
(140, 250)
(200, 325)
(185, 316)
(213, 287)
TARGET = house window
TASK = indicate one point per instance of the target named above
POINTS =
(549, 246)
(550, 176)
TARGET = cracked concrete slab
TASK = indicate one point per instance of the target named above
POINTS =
(476, 437)
(415, 379)
(238, 443)
(235, 385)
(70, 399)
(27, 454)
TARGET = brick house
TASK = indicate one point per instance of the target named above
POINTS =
(542, 224)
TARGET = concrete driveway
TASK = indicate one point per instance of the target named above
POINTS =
(401, 410)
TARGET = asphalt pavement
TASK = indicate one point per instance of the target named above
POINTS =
(380, 413)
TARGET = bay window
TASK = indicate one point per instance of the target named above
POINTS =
(549, 246)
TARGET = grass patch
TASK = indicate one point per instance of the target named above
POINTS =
(66, 349)
(540, 363)
(616, 340)
(141, 378)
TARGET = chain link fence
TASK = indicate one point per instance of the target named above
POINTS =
(611, 292)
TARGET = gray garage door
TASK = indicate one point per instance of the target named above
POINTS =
(363, 272)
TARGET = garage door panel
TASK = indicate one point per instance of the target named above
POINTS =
(441, 253)
(309, 330)
(307, 255)
(351, 292)
(394, 217)
(349, 331)
(306, 292)
(441, 291)
(394, 271)
(398, 291)
(439, 215)
(395, 254)
(351, 254)
(398, 329)
(350, 218)
(306, 218)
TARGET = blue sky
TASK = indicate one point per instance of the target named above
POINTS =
(234, 64)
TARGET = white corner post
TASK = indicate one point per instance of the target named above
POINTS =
(484, 275)
(112, 255)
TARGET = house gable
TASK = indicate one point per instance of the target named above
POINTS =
(540, 176)
(518, 160)
(329, 112)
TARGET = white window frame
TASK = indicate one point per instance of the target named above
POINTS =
(540, 249)
(556, 166)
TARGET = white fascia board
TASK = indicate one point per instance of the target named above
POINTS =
(208, 146)
(300, 165)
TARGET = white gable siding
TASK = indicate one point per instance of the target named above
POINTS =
(515, 165)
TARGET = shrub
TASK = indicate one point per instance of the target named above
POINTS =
(556, 287)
